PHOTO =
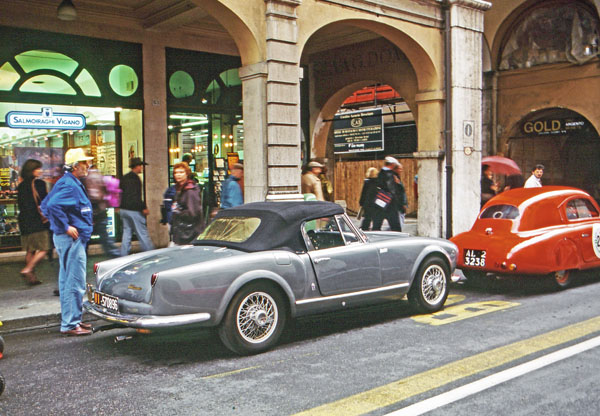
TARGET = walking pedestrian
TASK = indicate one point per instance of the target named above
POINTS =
(232, 194)
(535, 180)
(69, 211)
(367, 198)
(187, 220)
(387, 183)
(133, 208)
(96, 189)
(311, 184)
(35, 239)
(401, 194)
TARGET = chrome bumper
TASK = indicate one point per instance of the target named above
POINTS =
(146, 321)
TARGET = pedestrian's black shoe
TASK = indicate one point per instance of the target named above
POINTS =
(56, 292)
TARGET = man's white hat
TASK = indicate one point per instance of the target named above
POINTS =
(391, 160)
(76, 155)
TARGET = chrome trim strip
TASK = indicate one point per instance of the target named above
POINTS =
(351, 294)
(148, 321)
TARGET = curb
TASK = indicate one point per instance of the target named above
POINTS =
(30, 323)
(33, 323)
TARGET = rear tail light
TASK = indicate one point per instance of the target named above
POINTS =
(153, 279)
(96, 267)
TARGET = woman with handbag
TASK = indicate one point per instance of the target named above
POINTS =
(33, 225)
(186, 211)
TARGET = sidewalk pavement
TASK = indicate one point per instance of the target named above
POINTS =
(24, 307)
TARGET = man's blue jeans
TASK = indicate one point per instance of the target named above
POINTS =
(71, 279)
(134, 221)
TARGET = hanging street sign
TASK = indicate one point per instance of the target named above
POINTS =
(46, 119)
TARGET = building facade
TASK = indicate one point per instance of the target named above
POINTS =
(541, 82)
(251, 80)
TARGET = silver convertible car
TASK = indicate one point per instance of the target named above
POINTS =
(260, 264)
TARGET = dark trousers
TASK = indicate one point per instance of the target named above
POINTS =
(390, 214)
(107, 242)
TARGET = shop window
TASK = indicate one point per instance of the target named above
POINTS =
(181, 84)
(8, 77)
(47, 84)
(87, 84)
(42, 60)
(549, 34)
(123, 80)
(226, 89)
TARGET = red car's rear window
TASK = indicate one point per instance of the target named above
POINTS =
(505, 212)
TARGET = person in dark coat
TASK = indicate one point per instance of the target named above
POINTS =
(367, 198)
(33, 225)
(488, 187)
(133, 209)
(401, 194)
(386, 181)
(187, 218)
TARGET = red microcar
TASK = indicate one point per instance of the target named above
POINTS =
(552, 230)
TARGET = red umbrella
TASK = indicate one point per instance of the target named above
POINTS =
(501, 165)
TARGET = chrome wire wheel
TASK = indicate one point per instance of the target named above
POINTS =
(257, 317)
(429, 289)
(433, 285)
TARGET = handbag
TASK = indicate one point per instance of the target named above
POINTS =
(183, 232)
(382, 198)
(37, 201)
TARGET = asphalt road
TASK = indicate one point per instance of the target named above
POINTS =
(377, 360)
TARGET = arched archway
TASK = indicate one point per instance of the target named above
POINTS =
(336, 73)
(238, 24)
(564, 141)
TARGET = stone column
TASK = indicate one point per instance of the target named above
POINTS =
(283, 100)
(430, 163)
(254, 81)
(271, 92)
(466, 25)
(155, 138)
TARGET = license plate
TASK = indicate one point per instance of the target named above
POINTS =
(474, 258)
(109, 302)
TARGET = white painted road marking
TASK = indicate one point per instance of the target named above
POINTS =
(495, 379)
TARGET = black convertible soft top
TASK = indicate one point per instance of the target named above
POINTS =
(279, 223)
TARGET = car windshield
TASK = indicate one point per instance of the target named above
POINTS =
(505, 212)
(233, 230)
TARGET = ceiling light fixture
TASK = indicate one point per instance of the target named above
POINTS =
(66, 11)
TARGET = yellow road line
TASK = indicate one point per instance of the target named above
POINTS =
(463, 311)
(452, 299)
(228, 373)
(397, 391)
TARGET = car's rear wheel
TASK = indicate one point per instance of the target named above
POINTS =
(254, 319)
(562, 279)
(429, 290)
(2, 384)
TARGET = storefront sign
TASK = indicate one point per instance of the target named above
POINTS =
(359, 131)
(47, 119)
(553, 126)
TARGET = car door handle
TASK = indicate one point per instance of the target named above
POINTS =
(320, 259)
(585, 235)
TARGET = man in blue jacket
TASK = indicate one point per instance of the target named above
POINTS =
(232, 193)
(70, 213)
